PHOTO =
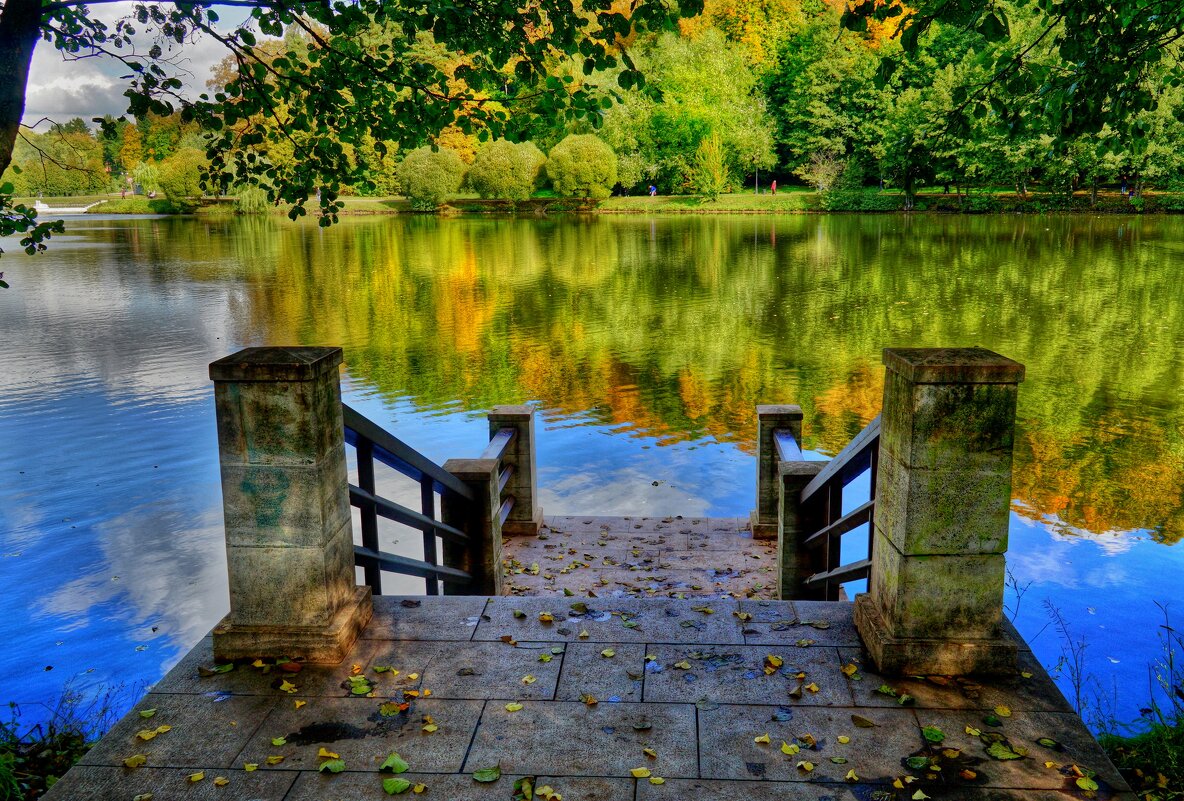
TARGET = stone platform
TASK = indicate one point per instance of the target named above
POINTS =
(641, 557)
(585, 693)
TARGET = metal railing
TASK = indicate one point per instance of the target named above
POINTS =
(375, 444)
(822, 505)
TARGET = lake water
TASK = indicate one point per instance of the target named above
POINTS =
(646, 343)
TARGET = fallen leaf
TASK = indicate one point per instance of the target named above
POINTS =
(546, 617)
(843, 739)
(583, 635)
(528, 679)
(194, 778)
(812, 687)
(849, 669)
(430, 727)
(1086, 783)
(508, 640)
(325, 753)
(919, 795)
(250, 766)
(143, 797)
(804, 643)
(707, 610)
(641, 773)
(806, 766)
(807, 740)
(513, 706)
(332, 766)
(1025, 674)
(135, 761)
(649, 752)
(301, 703)
(519, 613)
(973, 732)
(932, 734)
(395, 786)
(275, 760)
(968, 774)
(862, 722)
(486, 775)
(589, 699)
(1002, 711)
(763, 738)
(288, 687)
(146, 734)
(683, 665)
(788, 749)
(221, 781)
(657, 780)
(419, 788)
(608, 653)
(1002, 752)
(147, 713)
(851, 777)
(278, 741)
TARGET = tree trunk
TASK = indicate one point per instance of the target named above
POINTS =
(20, 26)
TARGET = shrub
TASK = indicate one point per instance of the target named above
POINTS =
(429, 177)
(582, 166)
(861, 200)
(506, 170)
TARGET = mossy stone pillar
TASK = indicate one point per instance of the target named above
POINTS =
(481, 556)
(793, 528)
(527, 516)
(943, 495)
(769, 419)
(285, 497)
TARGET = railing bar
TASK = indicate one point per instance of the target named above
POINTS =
(392, 563)
(856, 517)
(866, 438)
(401, 514)
(386, 443)
(427, 505)
(841, 575)
(498, 443)
(503, 478)
(504, 512)
(365, 454)
(787, 446)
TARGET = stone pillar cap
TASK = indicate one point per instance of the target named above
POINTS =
(779, 410)
(276, 363)
(953, 366)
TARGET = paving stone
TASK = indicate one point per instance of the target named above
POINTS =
(658, 620)
(480, 669)
(752, 556)
(450, 787)
(727, 749)
(1077, 746)
(770, 611)
(1037, 692)
(446, 617)
(735, 674)
(585, 670)
(939, 793)
(121, 784)
(207, 731)
(711, 790)
(355, 729)
(581, 740)
(835, 616)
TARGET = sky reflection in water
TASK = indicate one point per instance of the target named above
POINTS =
(646, 343)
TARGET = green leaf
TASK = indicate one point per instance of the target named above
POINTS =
(1001, 751)
(933, 734)
(1086, 783)
(395, 786)
(487, 775)
(332, 766)
(917, 762)
(395, 764)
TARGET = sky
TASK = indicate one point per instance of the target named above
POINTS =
(92, 87)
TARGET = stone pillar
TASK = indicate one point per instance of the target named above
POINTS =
(793, 527)
(768, 419)
(943, 495)
(527, 515)
(285, 496)
(481, 557)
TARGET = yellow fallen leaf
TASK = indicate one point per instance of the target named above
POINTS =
(764, 739)
(851, 777)
(528, 679)
(898, 784)
(744, 616)
(300, 704)
(806, 766)
(325, 753)
(546, 617)
(1051, 765)
(547, 793)
(162, 728)
(649, 752)
(135, 761)
(1002, 711)
(194, 778)
(657, 780)
(419, 788)
(288, 687)
(412, 676)
(221, 781)
(651, 658)
(257, 663)
(683, 665)
(250, 766)
(849, 669)
(641, 773)
(789, 750)
(513, 706)
(973, 732)
(583, 635)
(843, 739)
(608, 653)
(812, 687)
(431, 727)
(146, 734)
(919, 795)
(275, 760)
(427, 693)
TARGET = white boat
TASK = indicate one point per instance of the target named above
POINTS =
(43, 209)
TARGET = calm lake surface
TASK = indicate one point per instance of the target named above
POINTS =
(646, 344)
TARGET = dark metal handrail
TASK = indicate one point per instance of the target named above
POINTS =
(375, 444)
(822, 502)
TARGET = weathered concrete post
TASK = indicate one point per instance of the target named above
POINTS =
(793, 527)
(481, 557)
(942, 499)
(527, 516)
(285, 497)
(768, 419)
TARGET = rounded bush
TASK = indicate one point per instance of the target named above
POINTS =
(582, 165)
(505, 170)
(429, 177)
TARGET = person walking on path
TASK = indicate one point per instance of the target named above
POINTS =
(773, 187)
